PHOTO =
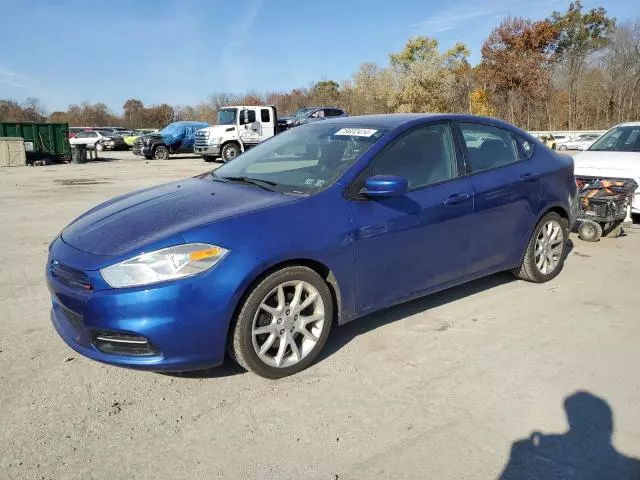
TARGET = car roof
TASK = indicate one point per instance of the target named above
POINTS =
(394, 120)
(629, 124)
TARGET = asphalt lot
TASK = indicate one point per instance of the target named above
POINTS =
(438, 388)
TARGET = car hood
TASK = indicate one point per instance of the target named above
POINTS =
(607, 164)
(215, 130)
(132, 221)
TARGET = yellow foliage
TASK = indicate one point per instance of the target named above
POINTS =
(480, 103)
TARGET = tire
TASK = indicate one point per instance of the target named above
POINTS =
(529, 269)
(99, 147)
(590, 231)
(613, 230)
(161, 153)
(562, 148)
(209, 158)
(245, 344)
(230, 151)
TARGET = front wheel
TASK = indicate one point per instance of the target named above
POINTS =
(230, 151)
(545, 254)
(161, 153)
(99, 147)
(562, 148)
(284, 323)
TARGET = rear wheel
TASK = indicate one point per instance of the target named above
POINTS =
(545, 254)
(161, 153)
(284, 323)
(590, 231)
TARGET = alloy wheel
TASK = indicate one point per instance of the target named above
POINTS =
(288, 323)
(549, 247)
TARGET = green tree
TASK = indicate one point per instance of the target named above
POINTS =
(416, 49)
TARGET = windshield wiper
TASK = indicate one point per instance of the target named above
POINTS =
(264, 184)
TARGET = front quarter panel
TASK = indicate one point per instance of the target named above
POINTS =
(316, 228)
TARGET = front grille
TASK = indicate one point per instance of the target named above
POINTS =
(122, 344)
(75, 320)
(201, 139)
(70, 276)
(137, 146)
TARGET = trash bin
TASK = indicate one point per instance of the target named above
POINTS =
(78, 154)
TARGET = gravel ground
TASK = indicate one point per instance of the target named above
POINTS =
(439, 387)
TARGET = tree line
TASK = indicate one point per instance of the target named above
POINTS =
(574, 69)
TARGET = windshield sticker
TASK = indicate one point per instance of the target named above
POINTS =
(356, 132)
(312, 182)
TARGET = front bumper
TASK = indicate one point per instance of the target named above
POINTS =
(213, 150)
(141, 150)
(185, 321)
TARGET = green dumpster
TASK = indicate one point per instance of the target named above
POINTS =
(42, 141)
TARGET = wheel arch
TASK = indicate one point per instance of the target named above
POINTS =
(227, 142)
(320, 268)
(556, 208)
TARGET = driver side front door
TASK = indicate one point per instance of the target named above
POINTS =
(408, 245)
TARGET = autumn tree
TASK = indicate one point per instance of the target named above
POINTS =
(133, 109)
(516, 61)
(579, 35)
(457, 61)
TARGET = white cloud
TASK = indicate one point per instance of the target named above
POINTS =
(459, 15)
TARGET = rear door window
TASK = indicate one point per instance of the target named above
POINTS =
(489, 147)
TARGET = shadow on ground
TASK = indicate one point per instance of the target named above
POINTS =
(584, 452)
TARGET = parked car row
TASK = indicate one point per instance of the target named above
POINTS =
(565, 142)
(99, 139)
(237, 129)
(580, 142)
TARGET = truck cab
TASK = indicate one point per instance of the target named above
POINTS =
(237, 129)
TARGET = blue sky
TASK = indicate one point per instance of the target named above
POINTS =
(180, 51)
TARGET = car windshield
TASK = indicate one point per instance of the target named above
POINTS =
(619, 139)
(304, 160)
(303, 112)
(227, 116)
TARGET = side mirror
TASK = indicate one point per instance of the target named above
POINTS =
(244, 117)
(385, 186)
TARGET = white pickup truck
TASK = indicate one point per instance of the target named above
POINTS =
(237, 129)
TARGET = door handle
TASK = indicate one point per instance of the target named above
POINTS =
(457, 198)
(529, 177)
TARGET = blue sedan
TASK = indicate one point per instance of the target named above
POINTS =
(313, 228)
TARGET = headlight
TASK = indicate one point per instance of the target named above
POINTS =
(215, 141)
(166, 264)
